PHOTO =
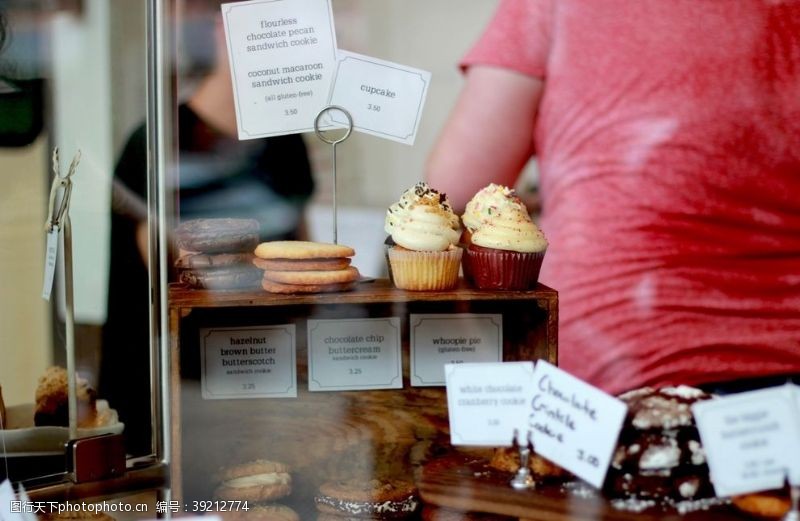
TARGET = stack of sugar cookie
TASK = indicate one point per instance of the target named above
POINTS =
(305, 267)
(217, 253)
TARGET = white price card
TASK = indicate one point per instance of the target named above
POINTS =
(385, 99)
(452, 338)
(487, 403)
(51, 256)
(751, 439)
(354, 354)
(248, 362)
(282, 57)
(574, 424)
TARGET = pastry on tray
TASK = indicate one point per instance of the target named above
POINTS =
(216, 254)
(305, 267)
(659, 455)
(374, 499)
(504, 249)
(52, 404)
(259, 480)
(425, 233)
(772, 504)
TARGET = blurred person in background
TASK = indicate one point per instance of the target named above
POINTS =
(667, 136)
(219, 176)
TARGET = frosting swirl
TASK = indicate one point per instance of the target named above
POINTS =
(489, 200)
(422, 220)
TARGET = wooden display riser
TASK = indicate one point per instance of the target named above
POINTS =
(327, 435)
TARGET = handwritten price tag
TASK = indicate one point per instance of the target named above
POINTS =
(752, 439)
(574, 424)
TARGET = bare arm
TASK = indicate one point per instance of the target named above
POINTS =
(489, 136)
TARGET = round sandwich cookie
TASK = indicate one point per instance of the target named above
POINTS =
(349, 274)
(336, 263)
(302, 250)
(278, 287)
(259, 480)
(217, 235)
(213, 260)
(266, 512)
(238, 277)
(371, 499)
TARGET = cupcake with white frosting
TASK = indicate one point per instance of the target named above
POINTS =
(425, 232)
(506, 248)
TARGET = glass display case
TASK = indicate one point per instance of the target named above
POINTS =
(254, 308)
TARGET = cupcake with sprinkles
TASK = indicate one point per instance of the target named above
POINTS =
(424, 232)
(504, 247)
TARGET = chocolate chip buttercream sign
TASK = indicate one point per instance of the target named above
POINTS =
(354, 354)
(282, 56)
(254, 362)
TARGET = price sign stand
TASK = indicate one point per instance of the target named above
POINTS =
(333, 142)
(523, 479)
(794, 512)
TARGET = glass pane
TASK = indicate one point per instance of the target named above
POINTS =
(72, 77)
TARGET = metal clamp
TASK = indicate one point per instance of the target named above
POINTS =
(56, 216)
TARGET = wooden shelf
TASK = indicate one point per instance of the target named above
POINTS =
(377, 291)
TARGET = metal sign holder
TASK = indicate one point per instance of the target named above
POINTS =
(333, 142)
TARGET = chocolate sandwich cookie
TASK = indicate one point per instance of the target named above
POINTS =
(234, 277)
(193, 261)
(217, 235)
(373, 499)
(259, 480)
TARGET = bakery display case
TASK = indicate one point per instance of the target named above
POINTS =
(260, 311)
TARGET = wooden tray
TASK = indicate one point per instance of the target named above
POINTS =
(465, 482)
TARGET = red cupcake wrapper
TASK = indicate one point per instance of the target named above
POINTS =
(500, 269)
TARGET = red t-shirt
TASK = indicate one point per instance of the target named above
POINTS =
(668, 140)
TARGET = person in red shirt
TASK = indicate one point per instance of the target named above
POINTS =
(667, 136)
